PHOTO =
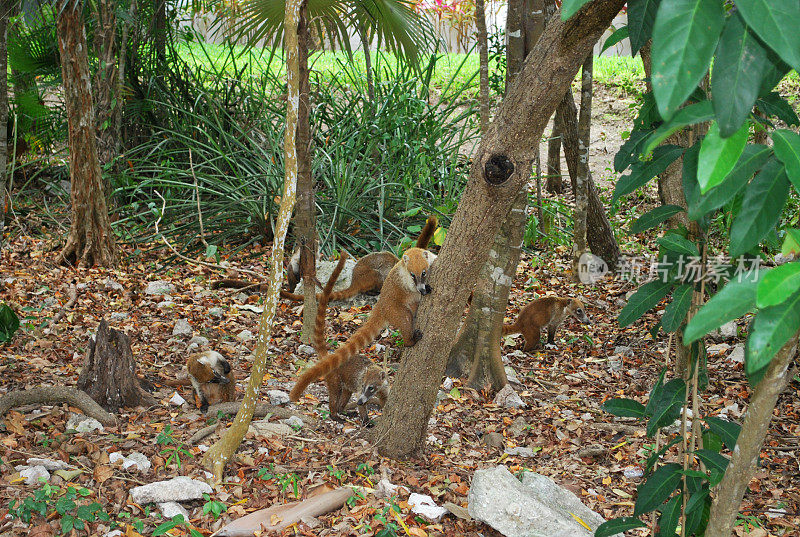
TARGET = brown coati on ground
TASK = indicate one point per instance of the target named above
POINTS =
(548, 312)
(211, 378)
(397, 306)
(368, 276)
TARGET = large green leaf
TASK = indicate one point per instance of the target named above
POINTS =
(658, 487)
(774, 70)
(718, 156)
(641, 17)
(615, 38)
(652, 218)
(685, 36)
(688, 115)
(9, 322)
(642, 172)
(728, 431)
(791, 243)
(775, 22)
(738, 69)
(787, 149)
(761, 209)
(770, 330)
(715, 463)
(672, 242)
(731, 302)
(778, 285)
(618, 525)
(676, 311)
(670, 516)
(753, 157)
(772, 104)
(570, 7)
(627, 408)
(665, 405)
(645, 299)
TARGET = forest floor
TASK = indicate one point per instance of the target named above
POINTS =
(570, 437)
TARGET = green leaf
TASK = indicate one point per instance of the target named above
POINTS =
(618, 525)
(736, 79)
(670, 515)
(727, 430)
(626, 408)
(570, 7)
(676, 311)
(773, 104)
(753, 158)
(791, 243)
(655, 217)
(715, 463)
(761, 208)
(775, 22)
(657, 488)
(688, 115)
(9, 323)
(685, 36)
(778, 285)
(787, 149)
(718, 156)
(771, 329)
(672, 242)
(615, 38)
(646, 298)
(641, 17)
(697, 499)
(665, 405)
(643, 171)
(164, 528)
(731, 302)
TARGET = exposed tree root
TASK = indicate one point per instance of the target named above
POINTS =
(56, 394)
(259, 412)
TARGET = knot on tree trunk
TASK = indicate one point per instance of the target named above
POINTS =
(498, 169)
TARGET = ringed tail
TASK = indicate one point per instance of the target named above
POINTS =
(427, 232)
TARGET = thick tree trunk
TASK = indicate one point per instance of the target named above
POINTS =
(106, 79)
(90, 240)
(731, 489)
(583, 174)
(483, 55)
(220, 453)
(305, 211)
(501, 167)
(555, 184)
(599, 234)
(6, 6)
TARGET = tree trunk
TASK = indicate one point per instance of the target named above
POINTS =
(501, 167)
(599, 234)
(220, 453)
(483, 54)
(109, 371)
(6, 6)
(555, 184)
(123, 58)
(515, 40)
(106, 79)
(731, 489)
(583, 173)
(160, 30)
(90, 240)
(362, 32)
(304, 216)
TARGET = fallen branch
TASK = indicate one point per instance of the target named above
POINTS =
(73, 297)
(201, 434)
(259, 412)
(617, 428)
(56, 394)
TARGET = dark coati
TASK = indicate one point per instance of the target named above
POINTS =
(397, 306)
(212, 378)
(548, 312)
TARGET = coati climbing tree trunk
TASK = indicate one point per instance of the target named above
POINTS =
(483, 55)
(554, 184)
(6, 7)
(90, 240)
(105, 78)
(583, 173)
(109, 371)
(220, 453)
(599, 234)
(501, 167)
(731, 489)
(304, 215)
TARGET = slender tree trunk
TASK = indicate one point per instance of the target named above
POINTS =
(90, 240)
(501, 167)
(106, 79)
(362, 32)
(160, 30)
(123, 58)
(305, 212)
(599, 234)
(515, 40)
(731, 489)
(220, 453)
(483, 54)
(555, 184)
(583, 175)
(6, 6)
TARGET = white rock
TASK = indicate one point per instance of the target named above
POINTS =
(511, 375)
(633, 472)
(424, 505)
(520, 451)
(385, 489)
(177, 489)
(728, 330)
(113, 284)
(737, 354)
(623, 350)
(614, 363)
(113, 533)
(199, 340)
(307, 350)
(295, 422)
(137, 461)
(83, 424)
(244, 335)
(119, 315)
(171, 509)
(49, 464)
(33, 473)
(216, 312)
(718, 348)
(159, 287)
(182, 328)
(177, 400)
(508, 398)
(447, 384)
(265, 428)
(781, 259)
(560, 498)
(278, 397)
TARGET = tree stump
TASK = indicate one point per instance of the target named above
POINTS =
(109, 371)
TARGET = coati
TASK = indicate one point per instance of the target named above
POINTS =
(548, 312)
(212, 378)
(397, 306)
(293, 275)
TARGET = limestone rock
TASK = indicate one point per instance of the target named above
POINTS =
(50, 464)
(508, 398)
(83, 424)
(159, 287)
(278, 397)
(265, 428)
(171, 509)
(33, 473)
(177, 489)
(728, 330)
(422, 504)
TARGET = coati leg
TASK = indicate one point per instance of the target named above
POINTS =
(532, 337)
(551, 335)
(405, 324)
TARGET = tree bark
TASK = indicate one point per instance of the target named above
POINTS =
(555, 184)
(6, 6)
(731, 489)
(583, 173)
(362, 32)
(220, 453)
(90, 240)
(515, 40)
(160, 30)
(599, 234)
(483, 55)
(106, 79)
(501, 167)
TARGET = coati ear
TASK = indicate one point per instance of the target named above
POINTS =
(405, 259)
(430, 257)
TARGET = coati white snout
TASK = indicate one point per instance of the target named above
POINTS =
(548, 312)
(212, 378)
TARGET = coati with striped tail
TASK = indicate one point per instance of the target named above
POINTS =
(548, 312)
(397, 306)
(357, 375)
(211, 378)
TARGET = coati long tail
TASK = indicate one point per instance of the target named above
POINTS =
(427, 232)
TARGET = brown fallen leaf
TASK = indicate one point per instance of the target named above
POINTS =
(103, 473)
